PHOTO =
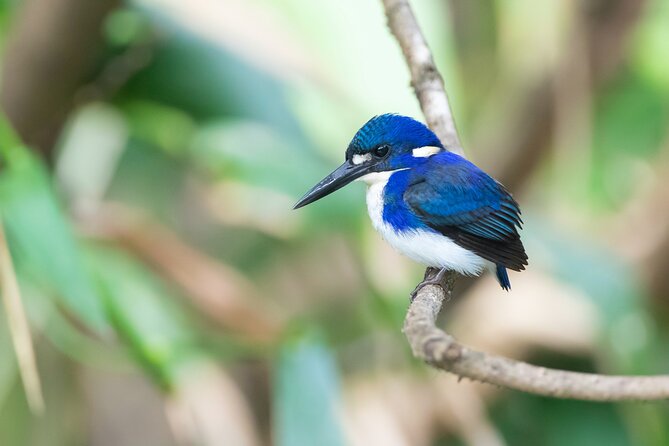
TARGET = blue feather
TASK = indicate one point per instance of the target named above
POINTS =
(457, 199)
(503, 277)
(442, 193)
(402, 132)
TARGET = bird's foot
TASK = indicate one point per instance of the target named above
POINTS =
(436, 280)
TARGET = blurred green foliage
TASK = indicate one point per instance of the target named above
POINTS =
(206, 122)
(39, 235)
(307, 395)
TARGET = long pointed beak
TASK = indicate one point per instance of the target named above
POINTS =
(342, 176)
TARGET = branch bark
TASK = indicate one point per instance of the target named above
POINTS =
(425, 78)
(440, 349)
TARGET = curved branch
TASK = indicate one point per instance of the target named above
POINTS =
(425, 78)
(440, 349)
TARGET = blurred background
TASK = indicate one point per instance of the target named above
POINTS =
(173, 296)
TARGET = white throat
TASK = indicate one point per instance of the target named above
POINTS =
(377, 178)
(376, 182)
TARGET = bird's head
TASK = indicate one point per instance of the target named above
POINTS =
(385, 143)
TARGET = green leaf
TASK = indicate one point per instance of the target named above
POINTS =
(249, 152)
(207, 81)
(253, 154)
(144, 315)
(650, 47)
(307, 393)
(162, 126)
(39, 235)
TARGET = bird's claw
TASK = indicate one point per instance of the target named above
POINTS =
(436, 280)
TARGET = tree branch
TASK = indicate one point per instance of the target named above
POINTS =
(425, 78)
(435, 346)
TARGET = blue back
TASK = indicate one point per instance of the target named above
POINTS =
(446, 190)
(449, 195)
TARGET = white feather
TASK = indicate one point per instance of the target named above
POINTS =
(425, 152)
(423, 246)
(359, 159)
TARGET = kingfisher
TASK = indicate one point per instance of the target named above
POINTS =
(428, 203)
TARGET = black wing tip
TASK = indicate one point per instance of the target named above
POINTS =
(509, 253)
(503, 277)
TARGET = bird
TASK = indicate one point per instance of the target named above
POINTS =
(429, 203)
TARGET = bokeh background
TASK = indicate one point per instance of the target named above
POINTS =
(175, 298)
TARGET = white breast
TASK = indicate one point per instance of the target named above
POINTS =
(428, 248)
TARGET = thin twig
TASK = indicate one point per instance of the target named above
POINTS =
(19, 328)
(440, 349)
(425, 78)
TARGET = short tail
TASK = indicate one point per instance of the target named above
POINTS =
(503, 277)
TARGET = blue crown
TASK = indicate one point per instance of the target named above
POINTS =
(400, 132)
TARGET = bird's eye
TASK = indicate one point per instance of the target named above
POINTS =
(381, 151)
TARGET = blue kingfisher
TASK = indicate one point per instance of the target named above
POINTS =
(430, 204)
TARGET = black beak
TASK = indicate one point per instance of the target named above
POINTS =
(343, 175)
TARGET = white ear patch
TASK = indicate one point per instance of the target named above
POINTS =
(359, 159)
(424, 152)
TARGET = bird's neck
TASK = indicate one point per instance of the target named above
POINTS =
(376, 183)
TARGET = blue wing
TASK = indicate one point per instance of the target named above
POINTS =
(456, 198)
